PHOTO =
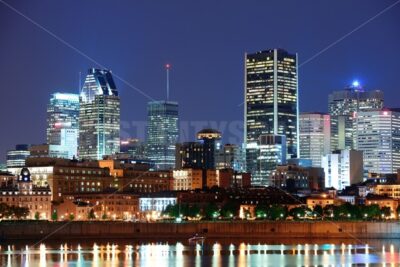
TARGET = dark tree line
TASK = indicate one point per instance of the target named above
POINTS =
(14, 212)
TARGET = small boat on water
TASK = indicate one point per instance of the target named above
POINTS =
(196, 238)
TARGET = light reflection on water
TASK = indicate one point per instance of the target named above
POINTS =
(211, 253)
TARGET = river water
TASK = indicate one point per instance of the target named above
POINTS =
(182, 253)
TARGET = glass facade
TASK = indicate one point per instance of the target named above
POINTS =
(378, 137)
(99, 116)
(162, 133)
(271, 103)
(230, 156)
(314, 136)
(63, 125)
(17, 157)
(271, 153)
(342, 107)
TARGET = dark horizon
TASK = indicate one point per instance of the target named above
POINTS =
(205, 45)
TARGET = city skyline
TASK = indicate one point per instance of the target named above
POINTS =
(134, 62)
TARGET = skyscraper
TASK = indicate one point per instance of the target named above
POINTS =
(342, 107)
(378, 137)
(315, 133)
(99, 116)
(63, 125)
(162, 133)
(271, 103)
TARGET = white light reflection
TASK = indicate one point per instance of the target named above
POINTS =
(42, 260)
(216, 254)
(95, 252)
(242, 255)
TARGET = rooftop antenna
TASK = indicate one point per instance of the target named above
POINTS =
(167, 67)
(79, 82)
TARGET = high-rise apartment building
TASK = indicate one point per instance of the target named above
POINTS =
(162, 133)
(99, 116)
(201, 154)
(189, 155)
(315, 133)
(378, 137)
(343, 105)
(63, 125)
(271, 103)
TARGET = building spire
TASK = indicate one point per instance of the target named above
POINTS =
(167, 67)
(79, 82)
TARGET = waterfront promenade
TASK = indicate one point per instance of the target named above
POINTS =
(236, 229)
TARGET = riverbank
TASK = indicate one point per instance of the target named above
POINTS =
(238, 229)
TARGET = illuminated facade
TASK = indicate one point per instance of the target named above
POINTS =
(343, 105)
(156, 202)
(230, 156)
(65, 176)
(271, 103)
(21, 192)
(162, 133)
(63, 125)
(378, 136)
(99, 116)
(314, 136)
(187, 179)
(271, 153)
(109, 204)
(391, 190)
(343, 168)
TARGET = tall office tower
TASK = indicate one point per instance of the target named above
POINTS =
(342, 107)
(162, 133)
(17, 156)
(99, 116)
(315, 134)
(343, 168)
(63, 125)
(378, 137)
(271, 102)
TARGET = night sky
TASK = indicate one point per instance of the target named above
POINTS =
(204, 41)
